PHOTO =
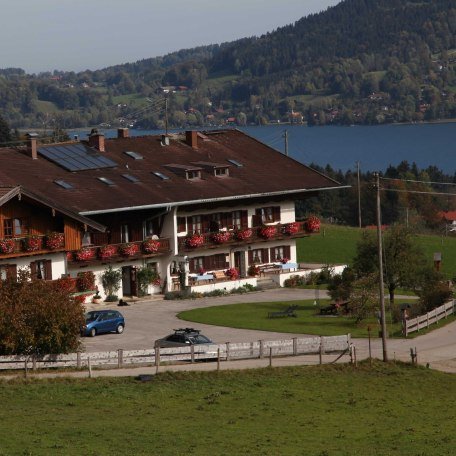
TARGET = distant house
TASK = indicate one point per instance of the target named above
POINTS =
(295, 117)
(449, 218)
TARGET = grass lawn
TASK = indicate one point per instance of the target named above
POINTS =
(382, 410)
(337, 244)
(255, 316)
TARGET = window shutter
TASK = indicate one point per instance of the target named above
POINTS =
(276, 213)
(47, 270)
(33, 270)
(250, 256)
(205, 223)
(265, 255)
(181, 225)
(207, 262)
(244, 219)
(287, 251)
(11, 272)
(191, 265)
(227, 220)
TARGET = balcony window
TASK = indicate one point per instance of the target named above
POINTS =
(194, 224)
(268, 214)
(14, 228)
(124, 233)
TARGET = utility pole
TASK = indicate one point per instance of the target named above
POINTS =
(359, 196)
(166, 114)
(285, 136)
(380, 266)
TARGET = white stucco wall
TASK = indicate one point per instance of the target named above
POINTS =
(58, 263)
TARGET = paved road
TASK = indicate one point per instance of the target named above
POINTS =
(150, 320)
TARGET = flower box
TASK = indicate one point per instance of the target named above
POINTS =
(291, 228)
(267, 232)
(150, 246)
(195, 240)
(7, 245)
(55, 241)
(222, 237)
(244, 234)
(107, 251)
(129, 249)
(312, 224)
(33, 244)
(85, 254)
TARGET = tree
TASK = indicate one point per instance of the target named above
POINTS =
(402, 258)
(364, 297)
(340, 286)
(38, 317)
(5, 132)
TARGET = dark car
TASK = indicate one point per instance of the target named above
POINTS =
(183, 337)
(103, 321)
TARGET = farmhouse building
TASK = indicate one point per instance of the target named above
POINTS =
(202, 210)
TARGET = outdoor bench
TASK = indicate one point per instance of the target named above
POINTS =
(288, 312)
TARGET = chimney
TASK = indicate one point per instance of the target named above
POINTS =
(97, 140)
(122, 133)
(191, 137)
(32, 149)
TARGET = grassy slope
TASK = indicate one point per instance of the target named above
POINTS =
(330, 410)
(337, 244)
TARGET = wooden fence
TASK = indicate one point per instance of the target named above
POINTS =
(424, 321)
(221, 352)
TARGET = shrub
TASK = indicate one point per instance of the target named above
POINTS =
(253, 270)
(111, 279)
(232, 273)
(294, 281)
(85, 281)
(147, 276)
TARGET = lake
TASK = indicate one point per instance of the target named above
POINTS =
(375, 147)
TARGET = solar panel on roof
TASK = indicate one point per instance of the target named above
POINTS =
(76, 157)
(235, 163)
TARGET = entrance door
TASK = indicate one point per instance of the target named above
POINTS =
(239, 263)
(129, 282)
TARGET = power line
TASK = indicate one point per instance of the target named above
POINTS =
(417, 181)
(417, 191)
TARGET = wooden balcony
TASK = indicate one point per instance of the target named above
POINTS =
(31, 245)
(244, 236)
(111, 253)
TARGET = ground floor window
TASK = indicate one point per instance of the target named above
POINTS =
(41, 270)
(8, 272)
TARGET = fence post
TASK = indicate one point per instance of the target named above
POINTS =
(227, 351)
(119, 358)
(192, 353)
(321, 351)
(427, 319)
(261, 348)
(295, 346)
(351, 354)
(33, 363)
(270, 356)
(25, 368)
(157, 358)
(78, 360)
(89, 366)
(218, 359)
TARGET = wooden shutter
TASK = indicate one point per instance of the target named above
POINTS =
(33, 270)
(250, 256)
(205, 223)
(11, 272)
(47, 270)
(244, 219)
(181, 225)
(256, 220)
(191, 265)
(276, 214)
(287, 251)
(265, 255)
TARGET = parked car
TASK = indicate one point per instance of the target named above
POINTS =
(183, 337)
(103, 321)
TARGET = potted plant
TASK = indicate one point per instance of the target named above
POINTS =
(232, 273)
(253, 270)
(33, 243)
(7, 245)
(150, 246)
(55, 240)
(96, 299)
(111, 279)
(107, 251)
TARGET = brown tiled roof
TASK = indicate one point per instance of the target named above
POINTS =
(263, 171)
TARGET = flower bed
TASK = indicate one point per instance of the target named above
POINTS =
(222, 237)
(244, 234)
(150, 246)
(85, 254)
(195, 240)
(107, 251)
(291, 228)
(129, 249)
(7, 245)
(267, 232)
(55, 241)
(312, 224)
(33, 244)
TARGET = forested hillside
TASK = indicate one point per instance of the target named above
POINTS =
(361, 61)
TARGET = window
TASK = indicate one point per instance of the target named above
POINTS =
(41, 270)
(14, 228)
(87, 238)
(196, 264)
(281, 252)
(149, 228)
(8, 272)
(258, 256)
(63, 184)
(130, 178)
(124, 233)
(236, 163)
(106, 181)
(181, 224)
(194, 224)
(221, 171)
(160, 175)
(268, 214)
(134, 155)
(193, 174)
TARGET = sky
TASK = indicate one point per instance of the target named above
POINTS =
(75, 35)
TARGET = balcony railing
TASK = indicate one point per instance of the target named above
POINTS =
(32, 245)
(246, 236)
(115, 252)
